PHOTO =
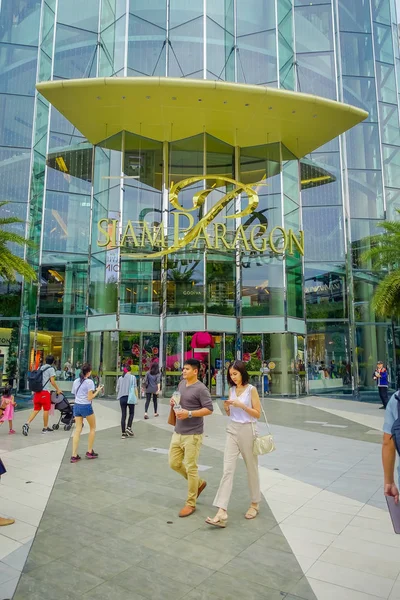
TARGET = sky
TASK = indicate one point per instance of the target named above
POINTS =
(398, 9)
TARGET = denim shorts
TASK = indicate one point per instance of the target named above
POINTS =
(83, 410)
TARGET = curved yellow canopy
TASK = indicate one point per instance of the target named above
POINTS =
(167, 109)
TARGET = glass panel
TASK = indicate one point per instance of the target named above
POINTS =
(185, 285)
(182, 11)
(14, 174)
(391, 163)
(18, 69)
(262, 287)
(75, 53)
(103, 290)
(187, 48)
(173, 364)
(294, 282)
(386, 83)
(63, 288)
(146, 47)
(10, 301)
(321, 179)
(221, 279)
(329, 364)
(256, 58)
(361, 92)
(16, 118)
(316, 74)
(366, 194)
(221, 12)
(66, 223)
(363, 147)
(19, 22)
(381, 11)
(383, 44)
(325, 291)
(140, 289)
(323, 233)
(313, 28)
(390, 131)
(112, 53)
(392, 204)
(254, 16)
(357, 58)
(252, 356)
(84, 15)
(355, 16)
(219, 48)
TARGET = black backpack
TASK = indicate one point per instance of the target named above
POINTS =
(396, 426)
(35, 379)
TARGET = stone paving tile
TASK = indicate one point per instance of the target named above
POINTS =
(229, 587)
(110, 590)
(181, 570)
(60, 572)
(153, 585)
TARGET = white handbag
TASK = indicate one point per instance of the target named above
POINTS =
(263, 444)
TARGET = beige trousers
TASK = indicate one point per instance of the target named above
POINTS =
(239, 441)
(184, 453)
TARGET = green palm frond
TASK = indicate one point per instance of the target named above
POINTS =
(10, 264)
(386, 300)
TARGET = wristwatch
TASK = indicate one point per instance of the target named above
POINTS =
(190, 414)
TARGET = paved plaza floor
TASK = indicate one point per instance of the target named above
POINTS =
(109, 529)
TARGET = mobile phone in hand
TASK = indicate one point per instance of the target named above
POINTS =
(394, 511)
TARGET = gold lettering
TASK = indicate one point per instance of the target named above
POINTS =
(129, 233)
(298, 243)
(220, 236)
(157, 239)
(262, 229)
(202, 235)
(272, 242)
(241, 238)
(176, 224)
(103, 232)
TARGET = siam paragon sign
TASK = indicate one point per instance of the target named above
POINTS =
(204, 233)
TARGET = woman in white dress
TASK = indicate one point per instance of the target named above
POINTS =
(244, 408)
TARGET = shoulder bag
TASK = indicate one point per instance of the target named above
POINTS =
(2, 468)
(132, 396)
(263, 444)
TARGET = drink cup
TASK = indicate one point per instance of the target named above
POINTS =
(176, 397)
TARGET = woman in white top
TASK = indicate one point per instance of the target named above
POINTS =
(244, 409)
(84, 391)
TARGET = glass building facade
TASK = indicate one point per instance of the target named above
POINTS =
(258, 297)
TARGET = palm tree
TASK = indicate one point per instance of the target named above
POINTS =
(10, 264)
(384, 254)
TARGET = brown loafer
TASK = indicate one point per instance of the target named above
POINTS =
(4, 522)
(202, 487)
(187, 511)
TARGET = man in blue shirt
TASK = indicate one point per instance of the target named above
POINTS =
(381, 378)
(389, 449)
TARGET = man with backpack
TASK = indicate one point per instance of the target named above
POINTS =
(41, 383)
(391, 443)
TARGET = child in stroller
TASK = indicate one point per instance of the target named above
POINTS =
(66, 412)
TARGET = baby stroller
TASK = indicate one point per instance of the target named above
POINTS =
(66, 413)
